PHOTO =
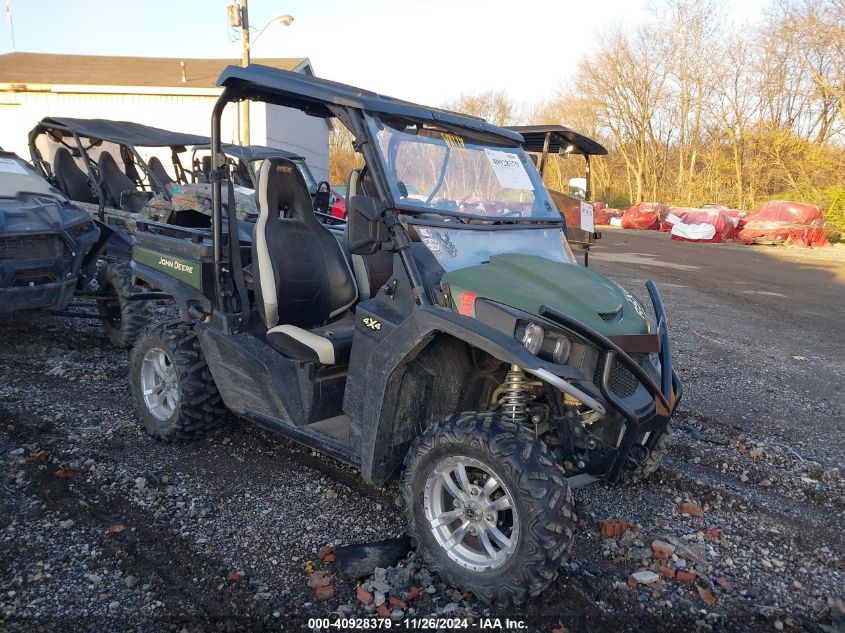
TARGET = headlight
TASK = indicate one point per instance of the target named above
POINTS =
(531, 335)
(560, 346)
(549, 345)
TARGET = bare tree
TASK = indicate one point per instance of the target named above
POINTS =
(625, 80)
(342, 156)
(496, 106)
(735, 106)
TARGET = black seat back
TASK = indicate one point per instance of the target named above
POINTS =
(114, 181)
(158, 170)
(71, 179)
(301, 276)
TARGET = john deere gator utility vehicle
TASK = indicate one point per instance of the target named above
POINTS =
(443, 335)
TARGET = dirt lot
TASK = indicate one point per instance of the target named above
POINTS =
(102, 528)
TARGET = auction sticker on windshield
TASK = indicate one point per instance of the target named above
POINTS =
(509, 170)
(10, 166)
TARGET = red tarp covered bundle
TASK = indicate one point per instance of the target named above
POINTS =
(778, 222)
(738, 216)
(699, 225)
(645, 216)
(604, 215)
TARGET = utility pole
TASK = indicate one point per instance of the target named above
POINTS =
(244, 105)
(11, 23)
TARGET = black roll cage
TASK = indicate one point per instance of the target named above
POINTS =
(353, 118)
(322, 98)
(543, 140)
(46, 127)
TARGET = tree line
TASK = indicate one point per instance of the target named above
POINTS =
(696, 109)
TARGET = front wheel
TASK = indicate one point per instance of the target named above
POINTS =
(487, 507)
(172, 389)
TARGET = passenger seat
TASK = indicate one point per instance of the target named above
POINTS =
(114, 181)
(158, 170)
(371, 271)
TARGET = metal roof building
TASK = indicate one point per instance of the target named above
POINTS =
(171, 93)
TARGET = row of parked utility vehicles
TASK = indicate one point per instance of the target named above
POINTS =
(53, 252)
(443, 334)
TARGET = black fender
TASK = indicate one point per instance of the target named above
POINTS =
(113, 244)
(374, 363)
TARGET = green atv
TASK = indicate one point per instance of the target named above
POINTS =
(444, 335)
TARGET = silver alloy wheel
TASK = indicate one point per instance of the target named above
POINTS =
(471, 513)
(159, 383)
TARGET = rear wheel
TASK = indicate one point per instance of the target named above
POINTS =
(124, 319)
(487, 507)
(172, 389)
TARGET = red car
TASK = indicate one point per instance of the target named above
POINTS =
(337, 201)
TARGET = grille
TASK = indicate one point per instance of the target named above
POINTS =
(622, 382)
(30, 246)
(35, 276)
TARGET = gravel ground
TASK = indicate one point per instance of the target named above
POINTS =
(104, 529)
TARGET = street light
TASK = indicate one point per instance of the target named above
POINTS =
(284, 20)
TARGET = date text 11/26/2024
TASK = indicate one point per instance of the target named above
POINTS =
(414, 624)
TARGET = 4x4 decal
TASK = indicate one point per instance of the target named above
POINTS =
(372, 323)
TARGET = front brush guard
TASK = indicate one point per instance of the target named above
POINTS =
(666, 395)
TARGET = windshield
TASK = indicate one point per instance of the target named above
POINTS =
(437, 170)
(459, 248)
(17, 176)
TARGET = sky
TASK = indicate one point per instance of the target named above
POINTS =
(425, 51)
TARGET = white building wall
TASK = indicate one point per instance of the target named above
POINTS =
(270, 125)
(20, 111)
(296, 132)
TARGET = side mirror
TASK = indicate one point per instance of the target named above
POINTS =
(365, 227)
(322, 198)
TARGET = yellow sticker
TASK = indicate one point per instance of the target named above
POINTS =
(455, 142)
(372, 323)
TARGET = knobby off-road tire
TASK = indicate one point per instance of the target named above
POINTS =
(168, 360)
(651, 464)
(125, 319)
(529, 477)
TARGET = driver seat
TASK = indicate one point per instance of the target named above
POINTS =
(72, 180)
(302, 279)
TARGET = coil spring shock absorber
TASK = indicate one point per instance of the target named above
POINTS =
(515, 391)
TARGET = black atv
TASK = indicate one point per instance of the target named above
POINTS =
(445, 335)
(51, 250)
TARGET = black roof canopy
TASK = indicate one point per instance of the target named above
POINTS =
(560, 137)
(313, 94)
(122, 132)
(254, 152)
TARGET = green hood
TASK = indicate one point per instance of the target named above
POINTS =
(527, 282)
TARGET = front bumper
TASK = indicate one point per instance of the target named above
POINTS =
(49, 296)
(666, 394)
